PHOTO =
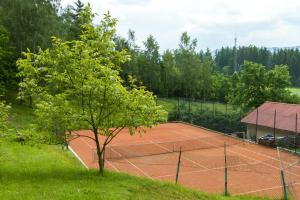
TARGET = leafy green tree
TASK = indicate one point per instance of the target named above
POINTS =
(187, 62)
(254, 85)
(150, 65)
(30, 22)
(278, 80)
(250, 89)
(205, 79)
(72, 21)
(131, 67)
(170, 74)
(83, 76)
(7, 63)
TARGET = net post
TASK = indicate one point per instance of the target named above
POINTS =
(178, 166)
(225, 172)
(244, 138)
(285, 193)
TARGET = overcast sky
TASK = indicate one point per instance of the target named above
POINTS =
(270, 23)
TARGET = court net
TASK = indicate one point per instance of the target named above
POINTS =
(158, 148)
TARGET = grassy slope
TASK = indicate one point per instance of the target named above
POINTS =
(171, 104)
(295, 90)
(48, 172)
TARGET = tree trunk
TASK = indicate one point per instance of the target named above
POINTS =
(100, 153)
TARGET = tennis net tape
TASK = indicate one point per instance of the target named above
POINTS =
(158, 148)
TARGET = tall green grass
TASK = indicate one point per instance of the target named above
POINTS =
(196, 106)
(295, 90)
(39, 171)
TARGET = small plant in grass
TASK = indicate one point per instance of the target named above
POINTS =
(76, 85)
(4, 113)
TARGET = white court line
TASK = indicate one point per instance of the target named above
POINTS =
(77, 156)
(248, 157)
(91, 147)
(267, 156)
(209, 169)
(261, 190)
(182, 155)
(134, 165)
(112, 165)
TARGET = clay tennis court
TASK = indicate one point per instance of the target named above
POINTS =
(252, 169)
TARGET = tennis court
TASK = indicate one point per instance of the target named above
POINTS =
(252, 169)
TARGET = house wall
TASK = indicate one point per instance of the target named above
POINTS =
(261, 131)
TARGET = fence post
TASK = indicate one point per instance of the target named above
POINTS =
(256, 124)
(213, 110)
(178, 166)
(225, 171)
(190, 109)
(285, 193)
(201, 105)
(178, 113)
(274, 129)
(226, 109)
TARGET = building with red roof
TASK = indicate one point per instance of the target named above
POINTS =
(273, 118)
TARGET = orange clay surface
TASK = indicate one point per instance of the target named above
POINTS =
(252, 169)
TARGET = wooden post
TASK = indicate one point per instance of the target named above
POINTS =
(201, 105)
(274, 129)
(285, 194)
(225, 172)
(178, 109)
(213, 109)
(190, 109)
(178, 166)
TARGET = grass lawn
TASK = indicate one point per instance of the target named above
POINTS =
(195, 106)
(48, 172)
(295, 90)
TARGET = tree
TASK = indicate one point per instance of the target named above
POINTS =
(150, 65)
(187, 61)
(254, 85)
(72, 20)
(278, 80)
(7, 62)
(84, 76)
(30, 22)
(170, 74)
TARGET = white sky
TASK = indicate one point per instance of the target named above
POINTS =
(270, 23)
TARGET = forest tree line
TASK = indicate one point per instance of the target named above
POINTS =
(246, 75)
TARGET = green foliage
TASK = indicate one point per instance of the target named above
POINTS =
(77, 85)
(150, 65)
(4, 114)
(254, 85)
(30, 22)
(7, 63)
(35, 172)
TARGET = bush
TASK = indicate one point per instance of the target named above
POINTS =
(4, 113)
(219, 121)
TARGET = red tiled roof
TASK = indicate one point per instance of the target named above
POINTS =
(285, 116)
